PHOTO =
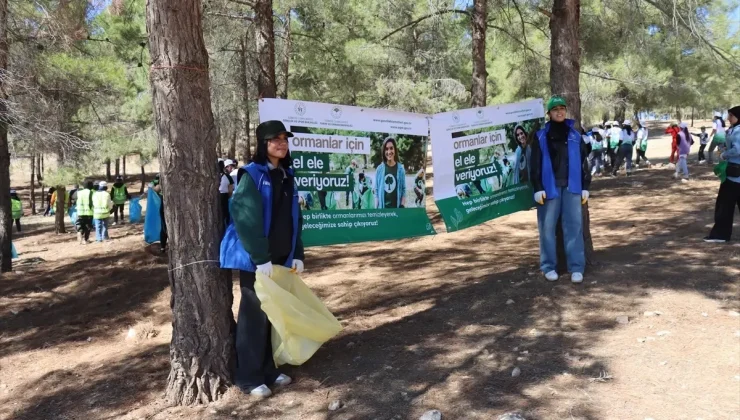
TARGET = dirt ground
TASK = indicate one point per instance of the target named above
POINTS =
(431, 323)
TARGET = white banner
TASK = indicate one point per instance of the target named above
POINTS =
(479, 158)
(359, 171)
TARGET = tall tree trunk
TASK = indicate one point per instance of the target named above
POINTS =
(107, 170)
(6, 218)
(480, 75)
(285, 62)
(565, 67)
(123, 159)
(39, 168)
(265, 43)
(244, 82)
(565, 55)
(118, 166)
(33, 184)
(143, 180)
(60, 210)
(232, 146)
(202, 346)
(234, 126)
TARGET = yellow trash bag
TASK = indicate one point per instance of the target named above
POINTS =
(300, 321)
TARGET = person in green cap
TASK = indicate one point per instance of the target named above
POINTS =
(561, 178)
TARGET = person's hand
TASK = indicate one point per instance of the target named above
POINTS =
(265, 269)
(722, 156)
(297, 266)
(584, 196)
(539, 197)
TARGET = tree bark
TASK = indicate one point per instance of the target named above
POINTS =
(42, 168)
(33, 184)
(480, 75)
(107, 170)
(123, 159)
(6, 218)
(244, 81)
(202, 346)
(232, 146)
(265, 43)
(143, 180)
(285, 63)
(60, 210)
(565, 70)
(39, 169)
(565, 55)
(118, 166)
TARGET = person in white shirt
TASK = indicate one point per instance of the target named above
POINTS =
(626, 141)
(642, 140)
(225, 189)
(717, 138)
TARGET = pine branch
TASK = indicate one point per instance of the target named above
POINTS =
(682, 22)
(243, 3)
(230, 16)
(417, 21)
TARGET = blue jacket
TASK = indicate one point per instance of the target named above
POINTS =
(543, 177)
(233, 254)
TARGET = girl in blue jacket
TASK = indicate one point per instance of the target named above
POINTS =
(265, 231)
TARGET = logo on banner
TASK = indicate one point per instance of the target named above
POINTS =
(479, 114)
(456, 118)
(336, 112)
(300, 108)
(390, 183)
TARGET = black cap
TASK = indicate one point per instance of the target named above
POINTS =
(119, 178)
(270, 129)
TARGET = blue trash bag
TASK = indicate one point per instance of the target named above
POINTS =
(13, 252)
(72, 212)
(152, 219)
(134, 211)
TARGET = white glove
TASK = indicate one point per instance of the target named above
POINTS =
(298, 266)
(265, 269)
(539, 197)
(584, 196)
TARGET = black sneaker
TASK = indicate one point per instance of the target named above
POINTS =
(711, 240)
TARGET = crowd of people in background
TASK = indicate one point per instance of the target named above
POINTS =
(613, 144)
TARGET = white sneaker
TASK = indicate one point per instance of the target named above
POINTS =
(261, 391)
(576, 278)
(552, 275)
(283, 380)
(701, 162)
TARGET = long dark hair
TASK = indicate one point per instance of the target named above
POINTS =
(260, 156)
(721, 121)
(628, 129)
(686, 134)
(395, 148)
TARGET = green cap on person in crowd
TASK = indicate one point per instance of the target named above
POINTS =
(554, 101)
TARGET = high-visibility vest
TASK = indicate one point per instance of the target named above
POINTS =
(17, 208)
(100, 205)
(84, 203)
(119, 194)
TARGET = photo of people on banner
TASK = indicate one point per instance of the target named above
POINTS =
(359, 172)
(371, 171)
(499, 162)
(480, 161)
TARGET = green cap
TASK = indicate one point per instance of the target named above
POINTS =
(555, 101)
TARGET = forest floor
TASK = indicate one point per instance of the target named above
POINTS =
(431, 323)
